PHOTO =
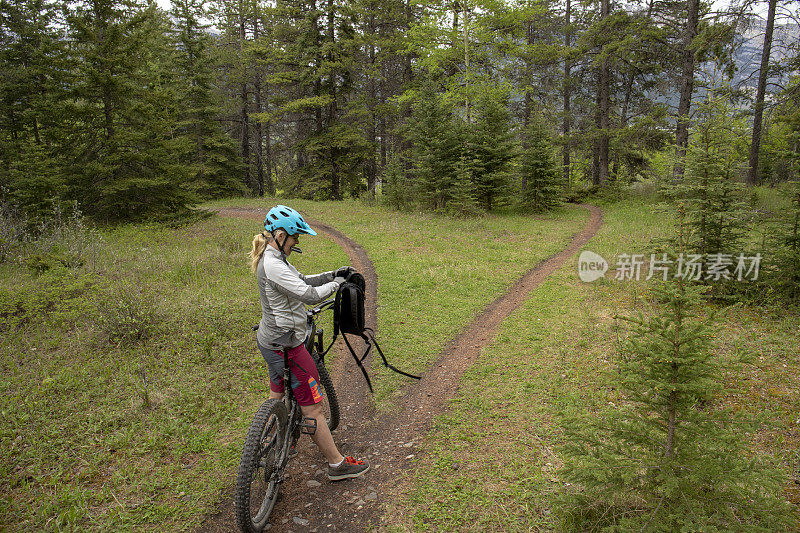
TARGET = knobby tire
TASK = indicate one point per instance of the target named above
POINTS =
(330, 404)
(256, 488)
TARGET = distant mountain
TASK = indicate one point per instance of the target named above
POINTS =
(748, 56)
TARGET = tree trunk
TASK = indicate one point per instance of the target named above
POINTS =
(302, 158)
(672, 402)
(269, 181)
(384, 142)
(243, 117)
(687, 86)
(106, 96)
(372, 130)
(604, 106)
(259, 135)
(318, 60)
(336, 192)
(623, 116)
(669, 446)
(567, 93)
(527, 108)
(752, 174)
(466, 60)
(384, 145)
(408, 76)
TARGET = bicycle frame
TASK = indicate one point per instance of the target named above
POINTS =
(293, 411)
(294, 417)
(314, 341)
(266, 454)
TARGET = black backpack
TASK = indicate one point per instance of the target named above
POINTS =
(348, 308)
(349, 319)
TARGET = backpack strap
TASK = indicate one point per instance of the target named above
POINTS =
(367, 334)
(359, 361)
(369, 338)
(337, 302)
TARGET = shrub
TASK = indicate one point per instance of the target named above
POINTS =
(62, 237)
(666, 458)
(542, 177)
(128, 316)
(13, 230)
(59, 297)
(394, 189)
(784, 240)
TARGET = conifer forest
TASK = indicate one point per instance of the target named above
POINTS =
(436, 146)
(133, 110)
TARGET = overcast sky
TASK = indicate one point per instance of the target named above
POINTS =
(761, 7)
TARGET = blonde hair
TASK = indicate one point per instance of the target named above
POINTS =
(260, 241)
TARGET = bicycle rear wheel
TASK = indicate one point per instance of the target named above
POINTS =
(258, 480)
(330, 403)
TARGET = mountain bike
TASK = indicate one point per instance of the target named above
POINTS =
(273, 434)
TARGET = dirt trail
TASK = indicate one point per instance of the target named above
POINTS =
(309, 501)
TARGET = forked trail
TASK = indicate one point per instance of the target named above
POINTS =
(309, 502)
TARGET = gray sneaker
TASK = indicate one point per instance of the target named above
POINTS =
(350, 467)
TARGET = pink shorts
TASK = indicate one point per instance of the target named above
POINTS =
(305, 378)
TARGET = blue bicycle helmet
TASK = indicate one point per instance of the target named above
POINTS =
(286, 218)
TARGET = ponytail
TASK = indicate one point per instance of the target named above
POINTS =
(260, 241)
(259, 245)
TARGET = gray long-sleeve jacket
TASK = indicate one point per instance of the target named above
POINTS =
(284, 296)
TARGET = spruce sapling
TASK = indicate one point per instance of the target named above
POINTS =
(668, 457)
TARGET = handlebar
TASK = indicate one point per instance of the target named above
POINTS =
(322, 307)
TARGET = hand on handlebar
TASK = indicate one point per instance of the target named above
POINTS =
(343, 272)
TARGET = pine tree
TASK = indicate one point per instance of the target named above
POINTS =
(542, 181)
(394, 189)
(210, 155)
(36, 182)
(33, 63)
(492, 149)
(462, 201)
(436, 148)
(667, 458)
(122, 142)
(784, 239)
(711, 191)
(319, 47)
(689, 54)
(379, 58)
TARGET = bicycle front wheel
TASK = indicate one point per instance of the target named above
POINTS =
(330, 403)
(258, 481)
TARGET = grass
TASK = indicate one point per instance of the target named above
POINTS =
(128, 383)
(436, 273)
(490, 462)
(127, 388)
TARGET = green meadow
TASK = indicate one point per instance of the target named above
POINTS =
(129, 377)
(491, 461)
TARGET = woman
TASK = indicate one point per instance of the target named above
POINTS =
(284, 294)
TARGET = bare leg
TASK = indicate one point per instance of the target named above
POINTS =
(322, 437)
